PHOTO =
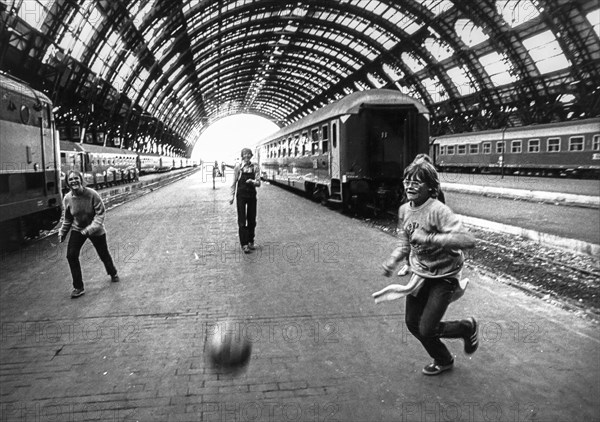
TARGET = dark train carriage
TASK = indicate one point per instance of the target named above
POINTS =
(351, 152)
(566, 148)
(30, 197)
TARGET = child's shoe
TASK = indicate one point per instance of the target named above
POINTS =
(471, 341)
(435, 368)
(404, 270)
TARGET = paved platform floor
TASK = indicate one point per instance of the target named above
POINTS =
(322, 349)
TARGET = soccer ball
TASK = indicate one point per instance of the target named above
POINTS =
(228, 348)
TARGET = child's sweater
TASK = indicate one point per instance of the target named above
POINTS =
(83, 213)
(437, 259)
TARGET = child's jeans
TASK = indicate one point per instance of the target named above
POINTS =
(424, 315)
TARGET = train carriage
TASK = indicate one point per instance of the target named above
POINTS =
(100, 166)
(558, 149)
(30, 196)
(351, 152)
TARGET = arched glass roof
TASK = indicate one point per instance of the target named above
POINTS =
(154, 74)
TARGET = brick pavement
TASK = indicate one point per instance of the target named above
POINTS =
(322, 350)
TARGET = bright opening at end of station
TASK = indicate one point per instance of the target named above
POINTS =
(223, 140)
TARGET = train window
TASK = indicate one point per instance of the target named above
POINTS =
(325, 146)
(474, 149)
(500, 147)
(553, 144)
(596, 143)
(533, 145)
(486, 147)
(461, 149)
(325, 132)
(516, 147)
(314, 133)
(450, 149)
(576, 143)
(443, 150)
(24, 114)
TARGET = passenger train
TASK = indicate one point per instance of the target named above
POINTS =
(569, 148)
(351, 152)
(33, 163)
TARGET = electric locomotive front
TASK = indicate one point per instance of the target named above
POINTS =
(30, 197)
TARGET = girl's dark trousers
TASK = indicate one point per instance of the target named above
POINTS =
(246, 211)
(424, 315)
(76, 241)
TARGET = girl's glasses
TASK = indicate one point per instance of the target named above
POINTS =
(412, 183)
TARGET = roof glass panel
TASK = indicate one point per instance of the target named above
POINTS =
(434, 88)
(459, 77)
(438, 50)
(376, 80)
(393, 72)
(414, 64)
(127, 67)
(546, 52)
(134, 7)
(593, 18)
(35, 12)
(141, 15)
(516, 12)
(436, 7)
(469, 33)
(496, 67)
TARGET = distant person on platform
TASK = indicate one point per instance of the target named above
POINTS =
(246, 178)
(83, 215)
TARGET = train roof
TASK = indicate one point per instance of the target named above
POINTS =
(350, 104)
(12, 84)
(572, 127)
(77, 147)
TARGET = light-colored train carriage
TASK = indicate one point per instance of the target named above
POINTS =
(100, 166)
(568, 149)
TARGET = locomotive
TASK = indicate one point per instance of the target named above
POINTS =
(30, 196)
(569, 148)
(350, 153)
(34, 162)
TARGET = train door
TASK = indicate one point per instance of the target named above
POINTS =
(386, 143)
(334, 156)
(435, 151)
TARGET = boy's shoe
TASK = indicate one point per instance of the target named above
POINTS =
(471, 341)
(77, 292)
(403, 271)
(435, 368)
(246, 249)
(251, 246)
(115, 278)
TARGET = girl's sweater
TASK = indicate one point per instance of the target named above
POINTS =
(83, 213)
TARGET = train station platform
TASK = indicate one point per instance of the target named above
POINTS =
(322, 349)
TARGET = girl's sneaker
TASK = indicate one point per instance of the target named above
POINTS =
(435, 368)
(404, 270)
(77, 292)
(471, 340)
